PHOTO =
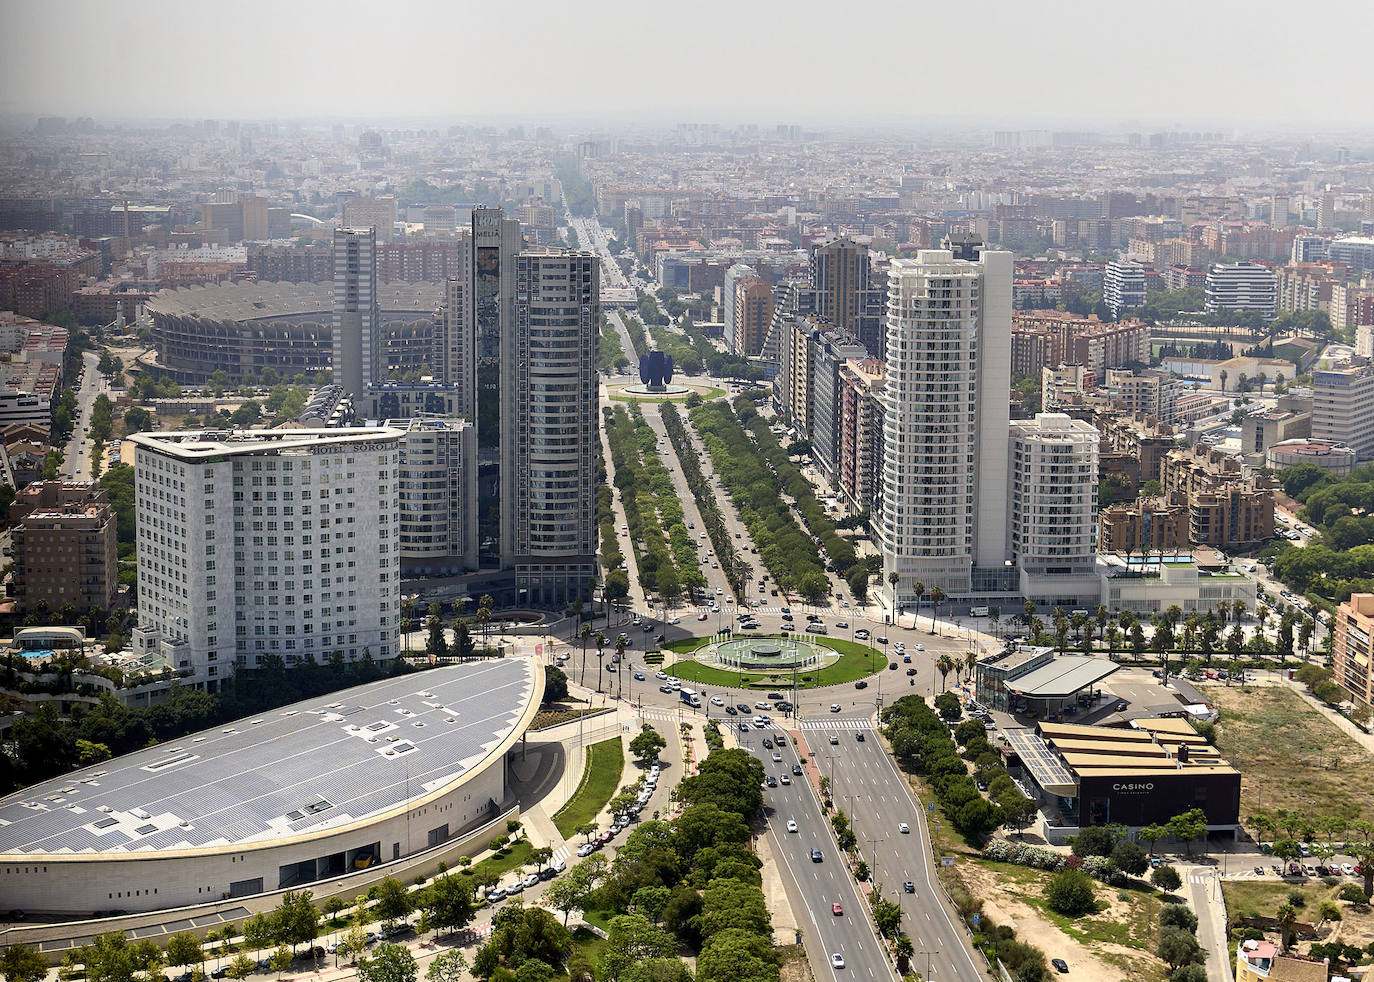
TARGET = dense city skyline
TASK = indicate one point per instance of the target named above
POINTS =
(1015, 64)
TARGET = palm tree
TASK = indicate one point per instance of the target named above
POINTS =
(920, 590)
(1287, 916)
(894, 578)
(903, 949)
(1224, 376)
(937, 597)
(600, 653)
(1029, 613)
(944, 666)
(407, 614)
(995, 616)
(619, 675)
(584, 632)
(970, 660)
(1103, 615)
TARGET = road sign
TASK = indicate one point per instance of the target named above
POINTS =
(946, 860)
(977, 917)
(539, 651)
(930, 807)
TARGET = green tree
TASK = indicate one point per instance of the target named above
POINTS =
(1166, 878)
(1287, 916)
(1179, 947)
(393, 901)
(450, 966)
(451, 906)
(1178, 915)
(1188, 826)
(633, 938)
(1151, 834)
(183, 949)
(534, 970)
(737, 954)
(280, 960)
(647, 743)
(241, 967)
(1070, 893)
(21, 963)
(388, 963)
(1130, 858)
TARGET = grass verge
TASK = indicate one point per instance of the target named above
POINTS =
(600, 778)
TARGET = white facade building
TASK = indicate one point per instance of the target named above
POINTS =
(1343, 406)
(1242, 286)
(1123, 286)
(267, 542)
(1053, 506)
(944, 473)
(438, 484)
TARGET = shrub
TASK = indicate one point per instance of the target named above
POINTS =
(1352, 894)
(1071, 893)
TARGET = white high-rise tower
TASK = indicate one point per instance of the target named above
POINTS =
(944, 503)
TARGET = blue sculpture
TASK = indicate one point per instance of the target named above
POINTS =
(656, 369)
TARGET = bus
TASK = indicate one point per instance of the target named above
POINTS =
(690, 697)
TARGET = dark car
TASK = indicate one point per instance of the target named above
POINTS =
(1060, 965)
(731, 710)
(742, 707)
(775, 696)
(911, 671)
(767, 743)
(796, 770)
(859, 737)
(892, 666)
(744, 727)
(816, 856)
(881, 639)
(906, 659)
(861, 684)
(639, 676)
(772, 782)
(909, 887)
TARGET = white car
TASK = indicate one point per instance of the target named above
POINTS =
(920, 647)
(1347, 869)
(719, 592)
(717, 701)
(661, 676)
(903, 828)
(791, 825)
(674, 620)
(834, 707)
(837, 960)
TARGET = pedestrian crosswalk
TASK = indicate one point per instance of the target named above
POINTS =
(837, 723)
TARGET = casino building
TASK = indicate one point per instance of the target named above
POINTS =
(1135, 776)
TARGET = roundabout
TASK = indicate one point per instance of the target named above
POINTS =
(765, 655)
(769, 661)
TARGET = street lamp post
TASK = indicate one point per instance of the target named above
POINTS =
(927, 954)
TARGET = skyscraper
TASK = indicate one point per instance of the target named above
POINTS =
(549, 427)
(495, 244)
(839, 272)
(943, 514)
(356, 321)
(729, 297)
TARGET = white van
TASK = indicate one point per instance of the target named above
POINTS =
(817, 628)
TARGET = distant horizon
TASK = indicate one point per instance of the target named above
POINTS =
(1001, 65)
(630, 123)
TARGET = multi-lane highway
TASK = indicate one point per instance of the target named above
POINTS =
(866, 784)
(814, 887)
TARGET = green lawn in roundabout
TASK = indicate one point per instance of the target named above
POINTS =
(856, 661)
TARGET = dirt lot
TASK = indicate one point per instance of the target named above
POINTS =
(1246, 897)
(1290, 756)
(1114, 943)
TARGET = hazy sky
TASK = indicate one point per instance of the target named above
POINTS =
(1219, 62)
